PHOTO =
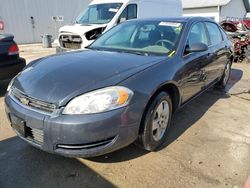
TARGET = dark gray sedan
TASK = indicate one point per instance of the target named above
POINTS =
(123, 88)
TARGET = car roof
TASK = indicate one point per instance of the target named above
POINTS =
(176, 19)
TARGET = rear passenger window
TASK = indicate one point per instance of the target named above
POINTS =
(214, 33)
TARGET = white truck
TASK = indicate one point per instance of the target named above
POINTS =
(102, 15)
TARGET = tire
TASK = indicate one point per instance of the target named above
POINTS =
(5, 83)
(248, 55)
(226, 76)
(151, 138)
(3, 87)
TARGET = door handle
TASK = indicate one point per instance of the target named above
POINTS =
(211, 54)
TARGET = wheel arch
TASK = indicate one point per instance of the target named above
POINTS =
(169, 87)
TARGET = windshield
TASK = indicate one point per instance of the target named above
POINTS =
(99, 13)
(141, 37)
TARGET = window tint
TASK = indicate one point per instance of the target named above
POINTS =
(99, 14)
(142, 37)
(197, 34)
(145, 31)
(126, 33)
(214, 33)
(130, 12)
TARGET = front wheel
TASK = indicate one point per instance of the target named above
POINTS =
(226, 75)
(156, 122)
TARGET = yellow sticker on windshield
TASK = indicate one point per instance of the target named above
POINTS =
(177, 29)
(172, 54)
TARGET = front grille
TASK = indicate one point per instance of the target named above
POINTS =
(32, 102)
(35, 135)
(70, 41)
(87, 146)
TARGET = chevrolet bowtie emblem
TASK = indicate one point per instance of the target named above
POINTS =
(24, 101)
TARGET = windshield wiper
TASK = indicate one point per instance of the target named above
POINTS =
(132, 52)
(97, 49)
(139, 53)
(120, 51)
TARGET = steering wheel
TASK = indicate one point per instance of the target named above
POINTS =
(166, 43)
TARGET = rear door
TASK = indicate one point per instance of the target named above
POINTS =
(192, 73)
(218, 53)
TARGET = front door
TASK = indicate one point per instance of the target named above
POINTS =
(193, 75)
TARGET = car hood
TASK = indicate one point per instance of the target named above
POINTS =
(59, 78)
(79, 28)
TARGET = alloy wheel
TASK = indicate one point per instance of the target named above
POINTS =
(160, 120)
(226, 74)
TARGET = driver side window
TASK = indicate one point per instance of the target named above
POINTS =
(197, 34)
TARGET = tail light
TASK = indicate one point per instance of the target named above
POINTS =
(13, 50)
(1, 25)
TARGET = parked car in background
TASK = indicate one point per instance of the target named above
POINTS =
(123, 89)
(10, 62)
(102, 15)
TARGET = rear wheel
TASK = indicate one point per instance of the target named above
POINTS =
(156, 122)
(3, 86)
(226, 75)
(248, 55)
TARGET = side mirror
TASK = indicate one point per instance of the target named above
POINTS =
(197, 47)
(122, 20)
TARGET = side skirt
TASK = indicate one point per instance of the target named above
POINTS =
(198, 94)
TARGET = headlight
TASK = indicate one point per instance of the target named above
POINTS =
(98, 101)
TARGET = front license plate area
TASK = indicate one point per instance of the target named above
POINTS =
(18, 124)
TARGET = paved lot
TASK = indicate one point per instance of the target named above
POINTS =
(208, 146)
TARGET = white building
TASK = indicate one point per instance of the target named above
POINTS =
(29, 19)
(216, 9)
